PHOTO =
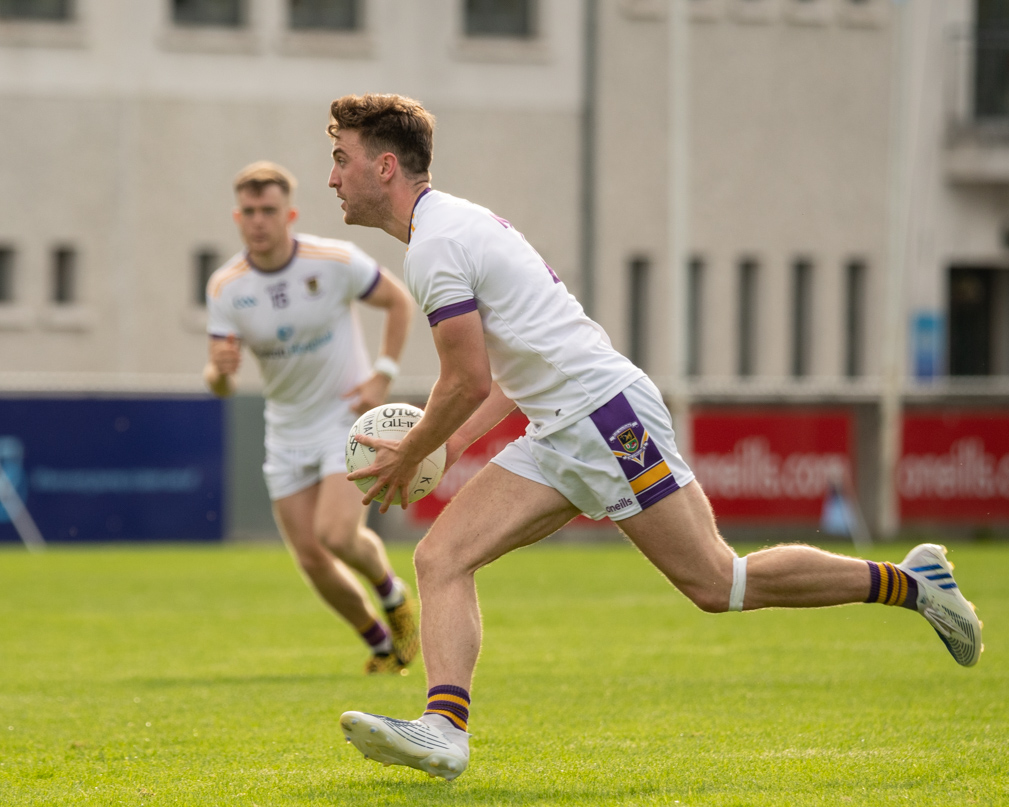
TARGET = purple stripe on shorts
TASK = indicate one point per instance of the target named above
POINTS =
(452, 310)
(374, 283)
(635, 451)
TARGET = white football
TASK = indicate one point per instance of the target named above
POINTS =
(392, 422)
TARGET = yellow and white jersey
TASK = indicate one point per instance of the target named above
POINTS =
(299, 323)
(545, 353)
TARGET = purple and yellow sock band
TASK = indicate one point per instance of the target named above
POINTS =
(449, 702)
(891, 586)
(375, 634)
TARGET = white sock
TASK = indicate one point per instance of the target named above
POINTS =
(448, 728)
(396, 597)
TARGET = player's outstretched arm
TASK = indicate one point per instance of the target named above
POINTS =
(225, 358)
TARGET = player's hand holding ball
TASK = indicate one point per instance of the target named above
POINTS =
(391, 421)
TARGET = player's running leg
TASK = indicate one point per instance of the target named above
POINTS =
(340, 526)
(330, 577)
(678, 534)
(496, 512)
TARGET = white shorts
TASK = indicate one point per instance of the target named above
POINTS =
(612, 463)
(288, 469)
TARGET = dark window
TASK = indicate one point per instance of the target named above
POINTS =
(208, 12)
(6, 274)
(695, 303)
(204, 263)
(64, 275)
(991, 68)
(499, 18)
(802, 303)
(334, 15)
(970, 321)
(639, 270)
(34, 9)
(854, 319)
(746, 346)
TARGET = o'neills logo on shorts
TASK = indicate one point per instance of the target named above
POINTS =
(616, 508)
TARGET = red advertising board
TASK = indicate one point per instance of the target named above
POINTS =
(772, 465)
(954, 466)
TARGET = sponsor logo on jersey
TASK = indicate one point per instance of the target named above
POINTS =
(245, 302)
(632, 448)
(285, 332)
(296, 349)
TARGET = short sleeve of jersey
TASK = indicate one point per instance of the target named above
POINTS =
(364, 273)
(441, 277)
(219, 322)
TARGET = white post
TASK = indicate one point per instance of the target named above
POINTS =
(678, 243)
(19, 515)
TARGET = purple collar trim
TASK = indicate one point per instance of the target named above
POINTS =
(423, 193)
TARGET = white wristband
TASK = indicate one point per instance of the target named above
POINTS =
(387, 367)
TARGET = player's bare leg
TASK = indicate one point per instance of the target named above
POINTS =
(340, 526)
(496, 512)
(678, 534)
(493, 514)
(330, 577)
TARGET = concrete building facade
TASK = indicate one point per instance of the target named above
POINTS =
(839, 208)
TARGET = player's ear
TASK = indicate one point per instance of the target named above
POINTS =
(387, 164)
(292, 215)
(236, 214)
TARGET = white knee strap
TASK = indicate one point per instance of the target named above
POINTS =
(738, 584)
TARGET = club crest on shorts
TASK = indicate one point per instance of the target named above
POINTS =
(631, 446)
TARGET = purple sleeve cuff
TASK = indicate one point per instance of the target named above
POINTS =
(374, 283)
(449, 311)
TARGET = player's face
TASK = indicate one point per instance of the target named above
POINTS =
(355, 178)
(263, 219)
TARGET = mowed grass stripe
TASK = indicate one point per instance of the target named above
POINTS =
(180, 675)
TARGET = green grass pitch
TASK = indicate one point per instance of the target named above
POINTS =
(212, 676)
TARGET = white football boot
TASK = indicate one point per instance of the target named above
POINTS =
(942, 604)
(437, 751)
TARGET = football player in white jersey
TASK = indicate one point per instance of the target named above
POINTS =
(289, 299)
(600, 441)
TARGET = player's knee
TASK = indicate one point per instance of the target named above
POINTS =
(337, 537)
(721, 589)
(314, 562)
(712, 598)
(434, 560)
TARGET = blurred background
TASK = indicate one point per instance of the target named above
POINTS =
(793, 214)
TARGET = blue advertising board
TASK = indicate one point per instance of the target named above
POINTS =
(115, 469)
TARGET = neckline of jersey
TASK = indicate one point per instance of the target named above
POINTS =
(294, 254)
(423, 193)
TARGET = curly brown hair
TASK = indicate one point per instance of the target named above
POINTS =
(388, 123)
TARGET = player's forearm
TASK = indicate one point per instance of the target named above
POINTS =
(451, 403)
(493, 410)
(218, 383)
(397, 326)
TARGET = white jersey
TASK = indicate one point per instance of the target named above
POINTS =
(545, 353)
(299, 323)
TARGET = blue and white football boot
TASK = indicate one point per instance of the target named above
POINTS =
(942, 604)
(434, 749)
